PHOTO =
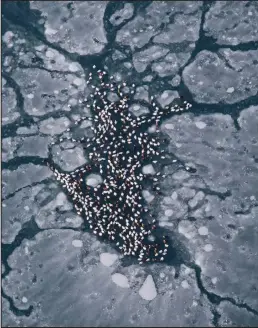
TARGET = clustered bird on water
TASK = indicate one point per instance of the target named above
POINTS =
(114, 209)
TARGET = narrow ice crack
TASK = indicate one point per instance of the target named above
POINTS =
(216, 317)
(217, 299)
(29, 185)
(220, 195)
(49, 70)
(13, 84)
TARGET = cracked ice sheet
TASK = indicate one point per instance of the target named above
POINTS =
(248, 123)
(221, 241)
(9, 146)
(33, 53)
(182, 33)
(218, 151)
(31, 59)
(24, 146)
(226, 77)
(69, 159)
(38, 145)
(34, 146)
(146, 24)
(17, 210)
(9, 104)
(54, 60)
(53, 271)
(232, 316)
(75, 29)
(121, 15)
(24, 176)
(187, 192)
(46, 92)
(45, 204)
(240, 25)
(32, 129)
(9, 319)
(54, 126)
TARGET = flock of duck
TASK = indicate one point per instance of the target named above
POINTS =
(115, 208)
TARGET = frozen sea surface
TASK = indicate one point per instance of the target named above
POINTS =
(54, 273)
